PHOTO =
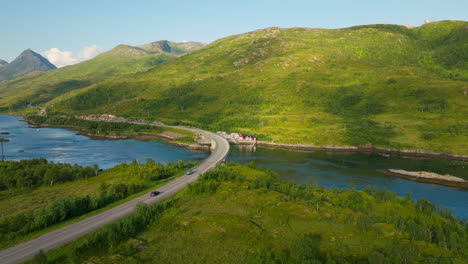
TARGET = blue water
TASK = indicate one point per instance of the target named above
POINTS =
(62, 145)
(323, 168)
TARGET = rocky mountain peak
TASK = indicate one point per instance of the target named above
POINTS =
(28, 61)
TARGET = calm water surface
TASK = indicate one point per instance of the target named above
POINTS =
(62, 145)
(324, 168)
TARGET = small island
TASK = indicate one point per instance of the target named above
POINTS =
(429, 177)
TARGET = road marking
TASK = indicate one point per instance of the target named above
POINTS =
(66, 231)
(16, 251)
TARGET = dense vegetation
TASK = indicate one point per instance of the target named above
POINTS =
(237, 214)
(36, 172)
(385, 85)
(108, 187)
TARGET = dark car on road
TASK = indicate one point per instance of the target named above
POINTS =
(189, 172)
(154, 193)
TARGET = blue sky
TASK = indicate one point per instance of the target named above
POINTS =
(73, 25)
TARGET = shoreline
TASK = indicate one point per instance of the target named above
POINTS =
(426, 177)
(304, 147)
(365, 148)
(140, 137)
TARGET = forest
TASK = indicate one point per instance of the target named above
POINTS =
(38, 171)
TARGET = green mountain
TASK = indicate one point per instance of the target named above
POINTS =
(28, 61)
(385, 85)
(38, 88)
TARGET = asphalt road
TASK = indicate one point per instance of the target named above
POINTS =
(61, 236)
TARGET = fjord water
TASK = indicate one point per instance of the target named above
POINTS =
(63, 145)
(324, 168)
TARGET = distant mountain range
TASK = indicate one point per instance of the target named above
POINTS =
(40, 87)
(161, 46)
(28, 61)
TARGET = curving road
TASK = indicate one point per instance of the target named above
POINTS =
(61, 236)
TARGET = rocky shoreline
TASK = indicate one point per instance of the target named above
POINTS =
(365, 148)
(428, 177)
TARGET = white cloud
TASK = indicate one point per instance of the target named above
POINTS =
(89, 52)
(62, 58)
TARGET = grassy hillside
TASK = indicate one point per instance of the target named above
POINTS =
(384, 85)
(237, 214)
(38, 88)
(172, 47)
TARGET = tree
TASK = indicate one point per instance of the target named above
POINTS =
(150, 161)
(3, 140)
(96, 169)
(40, 257)
(306, 249)
(52, 175)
